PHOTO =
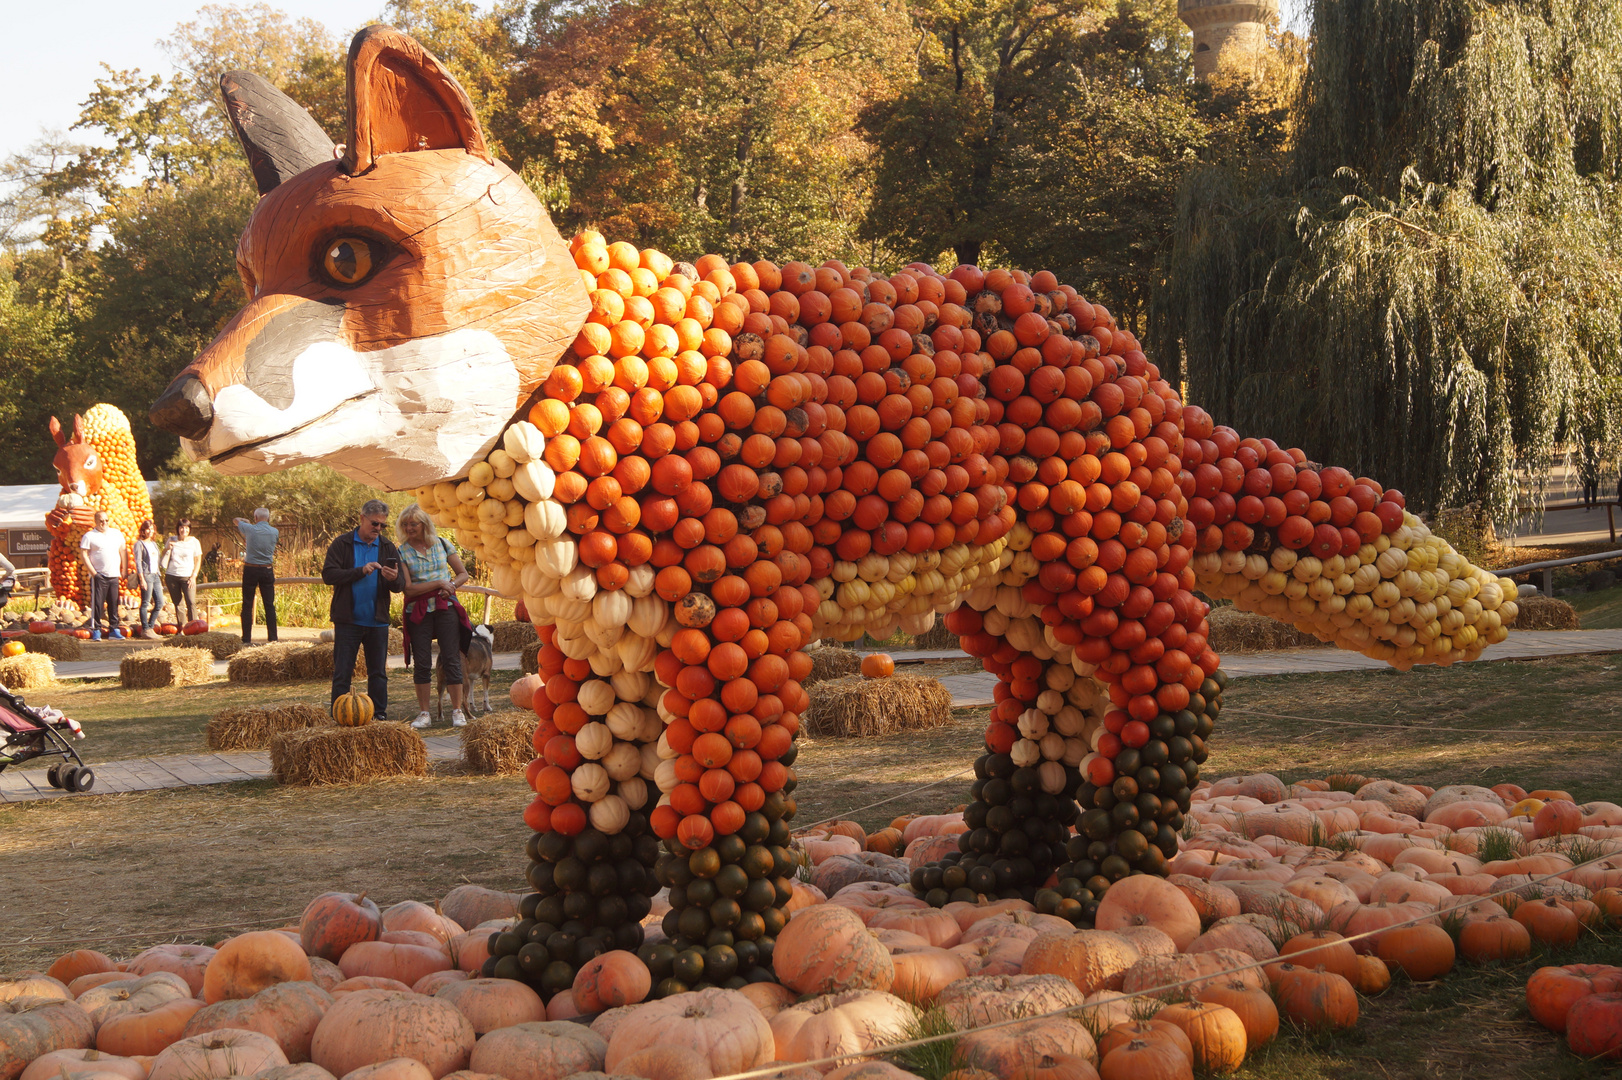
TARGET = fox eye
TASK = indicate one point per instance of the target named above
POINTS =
(348, 260)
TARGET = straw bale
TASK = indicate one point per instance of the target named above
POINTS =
(396, 641)
(530, 659)
(165, 666)
(27, 671)
(56, 646)
(1235, 631)
(500, 742)
(273, 663)
(221, 644)
(512, 636)
(858, 706)
(1545, 613)
(936, 637)
(251, 727)
(347, 755)
(831, 662)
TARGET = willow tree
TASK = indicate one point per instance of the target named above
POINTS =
(1429, 286)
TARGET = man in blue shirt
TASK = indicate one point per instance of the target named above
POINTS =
(258, 571)
(363, 568)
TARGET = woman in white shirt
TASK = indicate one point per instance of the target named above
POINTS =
(182, 558)
(148, 578)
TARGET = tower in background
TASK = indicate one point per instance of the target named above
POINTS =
(1223, 26)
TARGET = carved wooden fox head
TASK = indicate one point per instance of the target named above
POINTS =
(406, 291)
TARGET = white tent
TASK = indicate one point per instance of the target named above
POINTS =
(22, 521)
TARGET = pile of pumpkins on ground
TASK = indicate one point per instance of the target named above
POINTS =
(79, 627)
(1251, 926)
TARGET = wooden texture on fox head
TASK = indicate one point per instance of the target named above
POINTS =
(404, 297)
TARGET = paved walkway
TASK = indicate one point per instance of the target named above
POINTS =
(189, 770)
(968, 691)
(108, 669)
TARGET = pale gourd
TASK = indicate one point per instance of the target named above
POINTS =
(665, 778)
(634, 790)
(639, 580)
(524, 442)
(557, 557)
(631, 686)
(502, 463)
(623, 761)
(594, 741)
(580, 582)
(589, 781)
(535, 480)
(611, 608)
(1051, 776)
(636, 652)
(545, 520)
(1025, 752)
(625, 719)
(596, 697)
(609, 814)
(649, 615)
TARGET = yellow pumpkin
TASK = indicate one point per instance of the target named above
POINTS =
(13, 648)
(353, 709)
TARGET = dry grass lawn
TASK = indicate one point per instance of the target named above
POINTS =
(124, 871)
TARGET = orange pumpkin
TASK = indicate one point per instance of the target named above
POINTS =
(190, 962)
(827, 949)
(248, 963)
(1140, 1060)
(369, 1026)
(287, 1013)
(1321, 948)
(216, 1055)
(1549, 921)
(1254, 1008)
(721, 1026)
(403, 963)
(1315, 998)
(923, 971)
(1594, 1027)
(489, 1004)
(31, 1027)
(613, 979)
(334, 921)
(1498, 938)
(72, 965)
(1215, 1031)
(1552, 991)
(1146, 900)
(878, 666)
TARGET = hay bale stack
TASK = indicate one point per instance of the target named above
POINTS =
(56, 646)
(150, 669)
(1545, 613)
(277, 662)
(858, 706)
(347, 755)
(936, 637)
(500, 742)
(831, 662)
(27, 672)
(512, 636)
(396, 641)
(1235, 631)
(251, 727)
(221, 644)
(529, 661)
(312, 662)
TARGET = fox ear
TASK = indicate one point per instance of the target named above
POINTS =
(280, 139)
(401, 99)
(56, 432)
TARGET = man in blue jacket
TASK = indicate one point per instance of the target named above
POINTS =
(363, 568)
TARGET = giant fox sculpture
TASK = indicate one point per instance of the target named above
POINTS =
(689, 471)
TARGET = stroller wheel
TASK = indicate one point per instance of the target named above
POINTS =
(54, 775)
(84, 779)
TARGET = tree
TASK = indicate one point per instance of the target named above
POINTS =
(1427, 286)
(701, 128)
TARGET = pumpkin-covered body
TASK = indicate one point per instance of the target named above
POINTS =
(97, 471)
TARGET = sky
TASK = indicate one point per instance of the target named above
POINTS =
(44, 81)
(58, 47)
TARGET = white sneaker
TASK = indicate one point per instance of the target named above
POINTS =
(422, 720)
(457, 719)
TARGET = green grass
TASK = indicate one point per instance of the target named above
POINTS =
(1599, 610)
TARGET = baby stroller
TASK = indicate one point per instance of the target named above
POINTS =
(27, 733)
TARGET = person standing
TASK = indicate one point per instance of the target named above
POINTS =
(363, 568)
(8, 579)
(258, 571)
(433, 572)
(106, 561)
(148, 578)
(182, 558)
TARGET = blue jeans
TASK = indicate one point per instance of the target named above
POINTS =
(348, 641)
(151, 594)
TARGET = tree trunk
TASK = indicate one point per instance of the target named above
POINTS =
(968, 252)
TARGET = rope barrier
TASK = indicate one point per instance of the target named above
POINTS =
(1416, 726)
(824, 1064)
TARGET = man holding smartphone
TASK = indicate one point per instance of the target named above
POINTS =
(363, 568)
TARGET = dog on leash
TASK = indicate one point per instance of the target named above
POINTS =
(477, 662)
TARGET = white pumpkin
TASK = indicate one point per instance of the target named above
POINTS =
(523, 442)
(649, 615)
(1025, 752)
(623, 761)
(665, 778)
(580, 582)
(545, 519)
(605, 637)
(1051, 776)
(633, 790)
(650, 760)
(636, 652)
(609, 815)
(589, 781)
(631, 686)
(557, 557)
(502, 464)
(639, 580)
(594, 741)
(624, 719)
(596, 697)
(535, 481)
(611, 608)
